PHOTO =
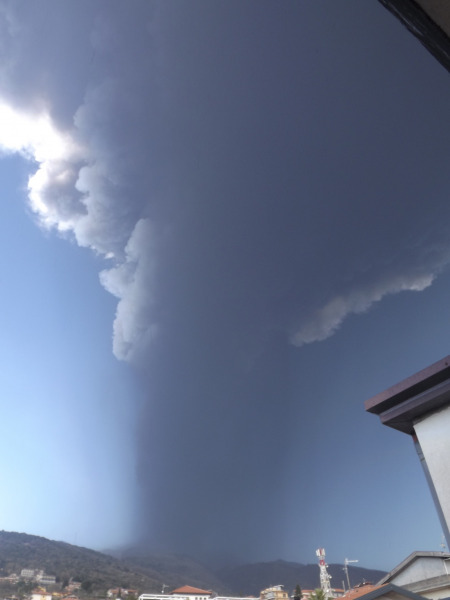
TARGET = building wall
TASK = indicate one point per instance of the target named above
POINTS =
(435, 588)
(274, 593)
(41, 597)
(420, 569)
(27, 573)
(435, 594)
(426, 576)
(234, 598)
(174, 597)
(433, 435)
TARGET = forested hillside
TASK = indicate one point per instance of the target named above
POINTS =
(147, 573)
(20, 551)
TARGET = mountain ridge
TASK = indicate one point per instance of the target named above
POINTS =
(148, 573)
(258, 576)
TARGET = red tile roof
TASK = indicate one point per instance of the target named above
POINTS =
(362, 590)
(189, 590)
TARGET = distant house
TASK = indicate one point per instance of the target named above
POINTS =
(154, 597)
(424, 573)
(41, 596)
(187, 591)
(120, 592)
(73, 586)
(235, 598)
(13, 578)
(28, 573)
(274, 593)
(44, 579)
(37, 575)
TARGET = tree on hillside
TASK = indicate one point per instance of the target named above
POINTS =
(298, 592)
(86, 586)
(24, 588)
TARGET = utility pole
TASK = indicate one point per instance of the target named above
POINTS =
(346, 563)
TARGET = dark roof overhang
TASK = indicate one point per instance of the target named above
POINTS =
(405, 403)
(428, 21)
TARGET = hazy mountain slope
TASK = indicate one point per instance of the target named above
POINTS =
(251, 579)
(149, 573)
(176, 570)
(20, 550)
(144, 573)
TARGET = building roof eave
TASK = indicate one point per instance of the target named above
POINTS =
(409, 560)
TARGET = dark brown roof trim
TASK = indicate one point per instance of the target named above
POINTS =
(406, 402)
(423, 27)
(414, 385)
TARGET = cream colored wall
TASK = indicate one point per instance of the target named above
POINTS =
(420, 570)
(436, 595)
(433, 435)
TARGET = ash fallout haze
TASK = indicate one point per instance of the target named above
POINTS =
(224, 226)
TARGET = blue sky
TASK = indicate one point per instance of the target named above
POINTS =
(67, 422)
(235, 232)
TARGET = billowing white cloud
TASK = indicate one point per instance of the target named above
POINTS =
(135, 325)
(74, 187)
(236, 179)
(52, 193)
(93, 176)
(327, 320)
(85, 168)
(77, 188)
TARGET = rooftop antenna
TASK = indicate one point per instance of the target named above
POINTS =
(324, 575)
(346, 563)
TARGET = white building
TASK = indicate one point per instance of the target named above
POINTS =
(275, 592)
(44, 579)
(424, 573)
(40, 596)
(28, 573)
(234, 598)
(186, 592)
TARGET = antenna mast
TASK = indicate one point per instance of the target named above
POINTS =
(324, 575)
(346, 563)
